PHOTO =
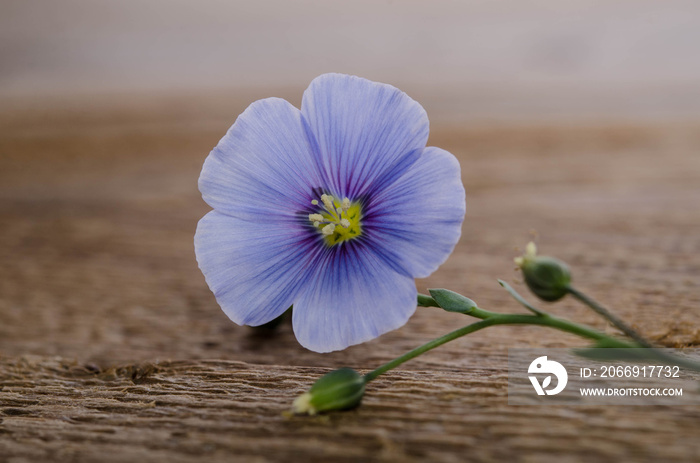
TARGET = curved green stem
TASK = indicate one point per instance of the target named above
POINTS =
(520, 299)
(426, 347)
(491, 319)
(539, 318)
(651, 351)
(605, 313)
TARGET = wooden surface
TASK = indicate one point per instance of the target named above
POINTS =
(113, 349)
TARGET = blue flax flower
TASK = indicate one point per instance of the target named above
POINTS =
(334, 208)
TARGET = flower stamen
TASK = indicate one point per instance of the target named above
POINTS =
(327, 202)
(337, 220)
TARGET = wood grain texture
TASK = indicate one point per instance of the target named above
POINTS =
(113, 349)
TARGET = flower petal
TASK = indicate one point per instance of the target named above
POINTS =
(354, 296)
(254, 270)
(417, 220)
(362, 129)
(263, 168)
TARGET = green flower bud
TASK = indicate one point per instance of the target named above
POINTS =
(338, 390)
(451, 301)
(548, 278)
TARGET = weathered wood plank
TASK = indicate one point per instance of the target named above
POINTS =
(113, 349)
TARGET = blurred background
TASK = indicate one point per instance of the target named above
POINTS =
(469, 59)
